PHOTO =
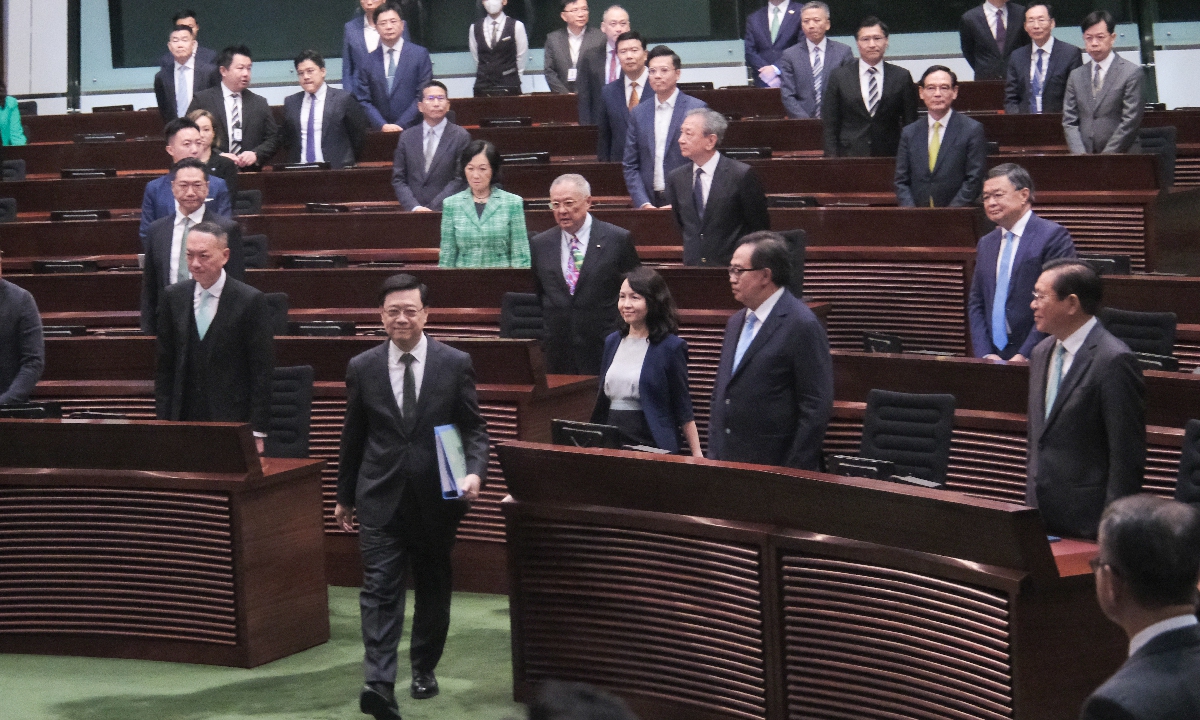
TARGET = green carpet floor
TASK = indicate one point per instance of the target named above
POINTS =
(319, 684)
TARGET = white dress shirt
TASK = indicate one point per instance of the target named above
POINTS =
(217, 288)
(584, 235)
(864, 81)
(1033, 62)
(177, 240)
(990, 11)
(396, 369)
(229, 95)
(574, 43)
(663, 110)
(762, 312)
(305, 104)
(492, 25)
(370, 35)
(941, 131)
(641, 83)
(706, 179)
(610, 57)
(1072, 345)
(1137, 642)
(189, 72)
(1018, 229)
(436, 131)
(1104, 64)
(823, 46)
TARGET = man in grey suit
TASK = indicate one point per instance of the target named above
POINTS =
(801, 87)
(773, 394)
(565, 46)
(396, 394)
(322, 123)
(716, 200)
(943, 156)
(22, 349)
(1146, 573)
(1103, 105)
(577, 270)
(1087, 406)
(425, 166)
(1037, 73)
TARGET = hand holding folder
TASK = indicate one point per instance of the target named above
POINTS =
(452, 465)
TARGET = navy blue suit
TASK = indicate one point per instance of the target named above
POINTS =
(1018, 94)
(158, 201)
(639, 146)
(1042, 241)
(957, 178)
(760, 51)
(612, 124)
(1161, 680)
(774, 408)
(663, 387)
(398, 107)
(354, 49)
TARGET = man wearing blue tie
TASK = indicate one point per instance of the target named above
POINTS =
(1008, 262)
(1037, 73)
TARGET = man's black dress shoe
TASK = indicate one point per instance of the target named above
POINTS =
(378, 701)
(424, 685)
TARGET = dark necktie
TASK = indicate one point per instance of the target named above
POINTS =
(408, 404)
(698, 193)
(310, 152)
(872, 90)
(1001, 32)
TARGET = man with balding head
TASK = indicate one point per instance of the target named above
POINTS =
(600, 65)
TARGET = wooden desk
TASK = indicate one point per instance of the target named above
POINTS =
(717, 590)
(157, 541)
(60, 128)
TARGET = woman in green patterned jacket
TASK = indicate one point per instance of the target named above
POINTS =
(483, 226)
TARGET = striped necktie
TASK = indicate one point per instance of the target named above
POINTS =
(817, 66)
(872, 90)
(236, 123)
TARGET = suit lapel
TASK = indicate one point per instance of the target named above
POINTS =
(769, 326)
(382, 373)
(488, 211)
(1079, 366)
(431, 378)
(717, 190)
(223, 314)
(592, 259)
(950, 135)
(786, 24)
(1110, 80)
(327, 114)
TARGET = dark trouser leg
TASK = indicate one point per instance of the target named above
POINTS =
(429, 544)
(381, 600)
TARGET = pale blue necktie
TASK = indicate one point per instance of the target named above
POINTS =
(182, 99)
(391, 68)
(1037, 82)
(181, 269)
(204, 313)
(1000, 301)
(746, 338)
(1054, 379)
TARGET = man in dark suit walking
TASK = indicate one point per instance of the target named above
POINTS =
(567, 46)
(868, 103)
(396, 395)
(577, 270)
(1008, 262)
(989, 33)
(1087, 406)
(620, 96)
(773, 394)
(600, 65)
(716, 200)
(425, 166)
(22, 348)
(251, 136)
(186, 75)
(804, 68)
(1037, 73)
(322, 123)
(215, 347)
(770, 31)
(390, 80)
(1146, 574)
(942, 158)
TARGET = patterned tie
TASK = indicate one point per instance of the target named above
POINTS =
(1000, 300)
(698, 193)
(182, 96)
(430, 146)
(872, 90)
(1055, 377)
(746, 338)
(1001, 31)
(775, 13)
(1096, 79)
(612, 65)
(817, 67)
(495, 33)
(391, 68)
(575, 265)
(633, 96)
(408, 398)
(181, 272)
(204, 313)
(1039, 77)
(236, 124)
(310, 152)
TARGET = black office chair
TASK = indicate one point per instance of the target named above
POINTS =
(521, 316)
(12, 170)
(254, 252)
(248, 202)
(1187, 489)
(8, 209)
(1108, 264)
(1143, 332)
(27, 108)
(291, 412)
(278, 302)
(912, 431)
(1160, 141)
(797, 241)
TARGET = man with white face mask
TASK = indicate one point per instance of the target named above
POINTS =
(500, 47)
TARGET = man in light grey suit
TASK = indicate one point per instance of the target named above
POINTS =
(425, 167)
(1102, 109)
(1087, 406)
(801, 88)
(565, 46)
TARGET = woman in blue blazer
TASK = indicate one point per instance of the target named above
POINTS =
(643, 380)
(11, 132)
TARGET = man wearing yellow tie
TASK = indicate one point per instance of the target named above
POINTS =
(942, 158)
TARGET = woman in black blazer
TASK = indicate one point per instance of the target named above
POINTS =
(217, 164)
(643, 379)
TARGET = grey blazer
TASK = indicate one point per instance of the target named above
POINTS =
(1091, 450)
(558, 57)
(22, 349)
(1108, 122)
(412, 184)
(796, 80)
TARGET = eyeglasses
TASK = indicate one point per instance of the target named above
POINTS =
(1040, 297)
(202, 186)
(938, 88)
(410, 313)
(577, 11)
(567, 205)
(434, 98)
(735, 272)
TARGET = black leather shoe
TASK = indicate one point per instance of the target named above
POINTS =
(378, 701)
(424, 685)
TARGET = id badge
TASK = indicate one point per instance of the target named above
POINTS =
(571, 74)
(237, 134)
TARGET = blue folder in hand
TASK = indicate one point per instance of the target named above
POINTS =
(452, 460)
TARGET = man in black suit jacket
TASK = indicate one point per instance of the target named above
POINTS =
(863, 112)
(989, 33)
(1146, 574)
(204, 55)
(251, 136)
(577, 269)
(165, 261)
(396, 395)
(1087, 406)
(954, 142)
(422, 182)
(342, 132)
(629, 90)
(22, 348)
(172, 97)
(716, 200)
(215, 348)
(773, 394)
(599, 65)
(1037, 73)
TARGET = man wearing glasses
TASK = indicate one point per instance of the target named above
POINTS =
(943, 156)
(425, 167)
(566, 46)
(578, 267)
